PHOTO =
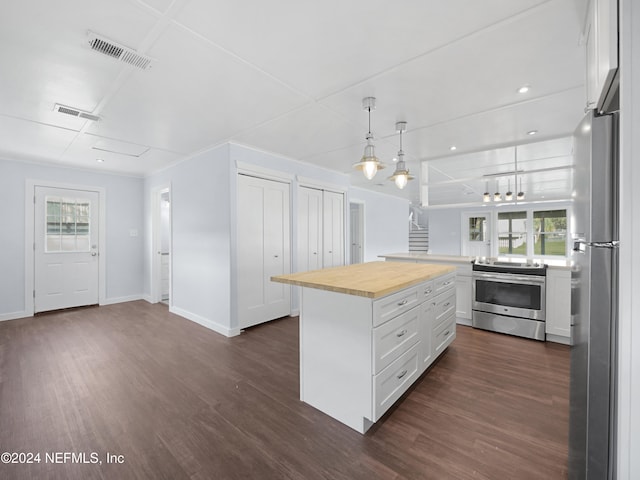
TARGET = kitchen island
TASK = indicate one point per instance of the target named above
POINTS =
(368, 331)
(463, 277)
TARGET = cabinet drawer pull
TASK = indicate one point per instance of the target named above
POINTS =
(448, 282)
(402, 333)
(447, 333)
(433, 304)
(447, 304)
(403, 302)
(401, 374)
(428, 291)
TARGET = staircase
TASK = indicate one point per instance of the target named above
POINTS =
(419, 240)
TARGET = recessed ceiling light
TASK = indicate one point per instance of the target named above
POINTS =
(99, 160)
(532, 132)
(452, 148)
(524, 89)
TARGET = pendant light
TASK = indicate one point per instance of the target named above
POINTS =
(509, 195)
(401, 176)
(369, 163)
(496, 196)
(520, 195)
(486, 196)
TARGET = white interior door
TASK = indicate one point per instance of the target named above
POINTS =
(65, 248)
(333, 229)
(263, 250)
(356, 223)
(165, 244)
(309, 229)
(476, 234)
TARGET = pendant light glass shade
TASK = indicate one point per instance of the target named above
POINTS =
(496, 196)
(369, 163)
(486, 196)
(401, 176)
(509, 195)
(520, 195)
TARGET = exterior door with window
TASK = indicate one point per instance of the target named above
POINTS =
(65, 248)
(476, 240)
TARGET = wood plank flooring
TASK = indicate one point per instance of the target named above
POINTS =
(179, 401)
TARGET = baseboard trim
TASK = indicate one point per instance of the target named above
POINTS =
(205, 322)
(14, 315)
(295, 313)
(129, 298)
(463, 321)
(558, 339)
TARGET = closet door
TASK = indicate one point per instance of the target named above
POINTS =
(333, 229)
(263, 250)
(309, 229)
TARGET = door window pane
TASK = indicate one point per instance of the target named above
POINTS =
(512, 233)
(550, 232)
(67, 225)
(477, 229)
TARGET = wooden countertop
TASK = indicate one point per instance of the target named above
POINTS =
(372, 280)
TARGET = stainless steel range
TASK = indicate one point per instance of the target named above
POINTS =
(510, 298)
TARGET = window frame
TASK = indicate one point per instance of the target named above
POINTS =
(530, 210)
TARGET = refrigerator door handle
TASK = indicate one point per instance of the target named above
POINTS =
(579, 245)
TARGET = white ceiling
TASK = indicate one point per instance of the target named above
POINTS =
(288, 77)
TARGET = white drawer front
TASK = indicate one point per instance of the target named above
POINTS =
(386, 308)
(444, 283)
(426, 290)
(445, 306)
(444, 335)
(392, 382)
(393, 338)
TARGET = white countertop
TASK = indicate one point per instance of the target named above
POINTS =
(426, 257)
(560, 264)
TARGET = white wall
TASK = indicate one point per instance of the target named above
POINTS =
(386, 223)
(124, 266)
(200, 237)
(445, 233)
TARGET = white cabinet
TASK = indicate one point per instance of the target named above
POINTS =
(359, 355)
(309, 229)
(321, 236)
(333, 229)
(263, 246)
(464, 296)
(601, 39)
(558, 314)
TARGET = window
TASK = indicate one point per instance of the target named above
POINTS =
(477, 229)
(67, 225)
(512, 233)
(550, 232)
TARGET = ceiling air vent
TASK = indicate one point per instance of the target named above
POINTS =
(117, 51)
(74, 112)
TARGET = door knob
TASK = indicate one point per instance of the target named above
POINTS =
(93, 254)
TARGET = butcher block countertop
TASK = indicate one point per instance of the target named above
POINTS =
(372, 280)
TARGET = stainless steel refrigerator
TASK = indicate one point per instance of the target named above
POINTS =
(594, 299)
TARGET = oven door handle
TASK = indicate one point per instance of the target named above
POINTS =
(511, 278)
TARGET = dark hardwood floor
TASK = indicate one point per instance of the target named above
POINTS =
(179, 401)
